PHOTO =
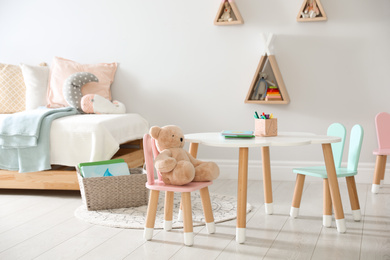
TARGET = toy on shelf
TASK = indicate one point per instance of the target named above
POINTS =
(311, 10)
(273, 94)
(262, 86)
(267, 85)
(228, 14)
(226, 17)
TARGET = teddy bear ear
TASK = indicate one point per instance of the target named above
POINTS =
(155, 131)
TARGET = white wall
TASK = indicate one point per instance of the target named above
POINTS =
(176, 67)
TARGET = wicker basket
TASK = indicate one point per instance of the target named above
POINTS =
(114, 192)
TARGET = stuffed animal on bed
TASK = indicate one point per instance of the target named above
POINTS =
(72, 88)
(96, 104)
(176, 165)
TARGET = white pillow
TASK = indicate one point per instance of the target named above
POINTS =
(36, 79)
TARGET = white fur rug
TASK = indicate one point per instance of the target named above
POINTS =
(224, 208)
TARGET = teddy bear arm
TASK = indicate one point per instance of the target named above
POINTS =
(270, 82)
(165, 162)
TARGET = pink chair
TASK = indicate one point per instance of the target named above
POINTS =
(157, 185)
(382, 124)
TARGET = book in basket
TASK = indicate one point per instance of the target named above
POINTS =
(115, 167)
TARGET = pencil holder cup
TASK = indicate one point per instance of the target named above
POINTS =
(266, 127)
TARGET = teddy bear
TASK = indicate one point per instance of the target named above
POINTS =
(225, 17)
(311, 10)
(176, 165)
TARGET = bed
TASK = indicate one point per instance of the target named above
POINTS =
(83, 138)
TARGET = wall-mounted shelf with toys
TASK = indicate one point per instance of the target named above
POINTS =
(311, 11)
(228, 14)
(267, 85)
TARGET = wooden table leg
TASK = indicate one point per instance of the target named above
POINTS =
(242, 194)
(267, 183)
(334, 188)
(193, 149)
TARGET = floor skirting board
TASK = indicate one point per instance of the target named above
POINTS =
(282, 170)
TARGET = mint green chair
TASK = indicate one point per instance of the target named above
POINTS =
(355, 145)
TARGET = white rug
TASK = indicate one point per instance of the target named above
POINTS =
(224, 208)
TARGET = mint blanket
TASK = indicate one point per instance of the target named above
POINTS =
(25, 139)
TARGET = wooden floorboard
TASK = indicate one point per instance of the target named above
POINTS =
(41, 225)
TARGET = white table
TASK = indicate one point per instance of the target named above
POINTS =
(283, 139)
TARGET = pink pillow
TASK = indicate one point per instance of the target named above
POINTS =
(62, 68)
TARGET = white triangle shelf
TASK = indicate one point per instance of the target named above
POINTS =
(235, 16)
(304, 12)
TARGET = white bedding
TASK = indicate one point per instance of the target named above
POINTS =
(92, 137)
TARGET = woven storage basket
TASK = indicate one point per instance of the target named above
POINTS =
(114, 192)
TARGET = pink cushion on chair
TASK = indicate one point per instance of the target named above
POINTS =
(381, 152)
(62, 68)
(189, 187)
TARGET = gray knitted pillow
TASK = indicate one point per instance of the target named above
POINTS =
(72, 87)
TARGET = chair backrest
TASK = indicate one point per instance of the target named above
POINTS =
(337, 129)
(382, 124)
(150, 152)
(355, 146)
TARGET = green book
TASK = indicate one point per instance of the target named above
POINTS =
(237, 134)
(107, 168)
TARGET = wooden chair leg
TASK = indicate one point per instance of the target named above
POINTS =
(383, 173)
(151, 214)
(180, 215)
(353, 198)
(168, 210)
(379, 174)
(207, 210)
(296, 202)
(327, 205)
(187, 219)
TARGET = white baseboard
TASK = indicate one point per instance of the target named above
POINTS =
(282, 170)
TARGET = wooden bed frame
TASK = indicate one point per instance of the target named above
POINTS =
(64, 177)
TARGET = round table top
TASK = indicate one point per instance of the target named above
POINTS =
(282, 139)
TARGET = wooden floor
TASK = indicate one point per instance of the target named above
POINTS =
(41, 225)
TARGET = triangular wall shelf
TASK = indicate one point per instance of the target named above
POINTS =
(269, 65)
(234, 14)
(320, 17)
